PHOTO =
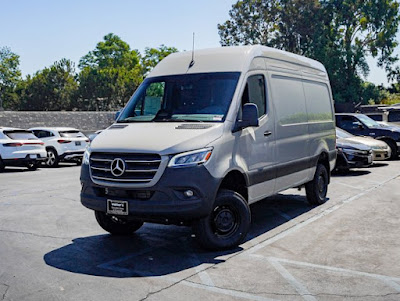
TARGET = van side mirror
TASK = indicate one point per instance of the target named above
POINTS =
(117, 114)
(249, 117)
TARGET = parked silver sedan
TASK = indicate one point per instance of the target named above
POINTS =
(380, 149)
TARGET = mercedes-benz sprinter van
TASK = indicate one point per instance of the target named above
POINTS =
(205, 136)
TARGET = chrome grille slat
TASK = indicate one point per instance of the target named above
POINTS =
(119, 180)
(139, 168)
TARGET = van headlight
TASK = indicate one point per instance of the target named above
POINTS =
(86, 156)
(192, 158)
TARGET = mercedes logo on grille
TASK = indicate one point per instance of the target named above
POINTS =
(117, 167)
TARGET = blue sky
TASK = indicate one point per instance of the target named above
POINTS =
(44, 31)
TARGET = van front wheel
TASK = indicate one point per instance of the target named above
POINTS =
(228, 223)
(317, 189)
(117, 225)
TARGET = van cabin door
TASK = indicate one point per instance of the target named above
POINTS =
(257, 144)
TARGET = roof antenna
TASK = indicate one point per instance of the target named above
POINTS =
(192, 61)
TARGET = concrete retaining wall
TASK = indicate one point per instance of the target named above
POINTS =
(85, 121)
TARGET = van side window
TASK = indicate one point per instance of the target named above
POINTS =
(254, 92)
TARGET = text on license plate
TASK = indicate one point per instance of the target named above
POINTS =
(117, 207)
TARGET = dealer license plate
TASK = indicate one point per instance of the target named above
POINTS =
(117, 207)
(77, 143)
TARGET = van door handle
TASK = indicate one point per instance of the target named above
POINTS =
(267, 133)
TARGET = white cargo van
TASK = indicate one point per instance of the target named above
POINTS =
(203, 137)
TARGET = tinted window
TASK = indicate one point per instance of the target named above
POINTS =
(20, 135)
(254, 92)
(71, 134)
(376, 117)
(42, 134)
(348, 123)
(188, 97)
(394, 116)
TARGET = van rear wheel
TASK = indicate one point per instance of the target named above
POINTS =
(228, 223)
(117, 225)
(317, 189)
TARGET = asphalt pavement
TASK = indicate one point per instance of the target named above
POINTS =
(51, 247)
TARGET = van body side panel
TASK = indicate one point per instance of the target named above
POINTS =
(320, 117)
(292, 136)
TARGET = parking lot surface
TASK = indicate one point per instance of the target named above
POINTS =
(51, 247)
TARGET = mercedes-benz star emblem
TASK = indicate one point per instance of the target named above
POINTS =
(117, 167)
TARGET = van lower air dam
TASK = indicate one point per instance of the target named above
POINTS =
(195, 146)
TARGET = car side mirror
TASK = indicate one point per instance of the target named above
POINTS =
(117, 114)
(249, 117)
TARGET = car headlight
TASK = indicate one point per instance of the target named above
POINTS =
(86, 156)
(192, 158)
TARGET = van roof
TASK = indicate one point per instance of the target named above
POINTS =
(227, 59)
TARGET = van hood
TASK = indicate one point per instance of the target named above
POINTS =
(163, 138)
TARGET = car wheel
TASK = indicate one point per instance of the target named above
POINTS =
(117, 225)
(393, 148)
(31, 165)
(52, 158)
(228, 223)
(317, 189)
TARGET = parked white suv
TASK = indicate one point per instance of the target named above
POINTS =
(62, 144)
(20, 147)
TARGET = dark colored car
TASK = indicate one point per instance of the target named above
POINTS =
(362, 125)
(352, 154)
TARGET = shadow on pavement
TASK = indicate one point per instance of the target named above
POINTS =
(351, 173)
(157, 250)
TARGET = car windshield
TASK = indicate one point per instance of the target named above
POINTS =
(341, 134)
(20, 135)
(71, 134)
(188, 97)
(368, 121)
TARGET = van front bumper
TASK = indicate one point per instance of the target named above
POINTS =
(165, 202)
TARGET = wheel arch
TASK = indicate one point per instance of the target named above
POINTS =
(236, 181)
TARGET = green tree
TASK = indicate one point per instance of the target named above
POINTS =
(10, 75)
(152, 56)
(109, 75)
(339, 33)
(50, 89)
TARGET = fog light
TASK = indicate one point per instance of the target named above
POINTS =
(188, 193)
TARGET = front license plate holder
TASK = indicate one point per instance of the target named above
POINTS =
(117, 207)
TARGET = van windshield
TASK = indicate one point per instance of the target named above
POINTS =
(187, 97)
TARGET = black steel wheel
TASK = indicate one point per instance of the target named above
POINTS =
(317, 189)
(228, 223)
(117, 225)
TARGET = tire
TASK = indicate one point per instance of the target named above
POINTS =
(2, 166)
(317, 189)
(393, 148)
(116, 225)
(31, 165)
(52, 158)
(228, 223)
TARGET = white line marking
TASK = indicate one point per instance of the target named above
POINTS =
(300, 288)
(227, 292)
(388, 280)
(312, 219)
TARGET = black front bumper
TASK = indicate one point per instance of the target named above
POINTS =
(72, 156)
(23, 161)
(350, 160)
(165, 202)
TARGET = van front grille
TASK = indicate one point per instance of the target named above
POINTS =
(128, 168)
